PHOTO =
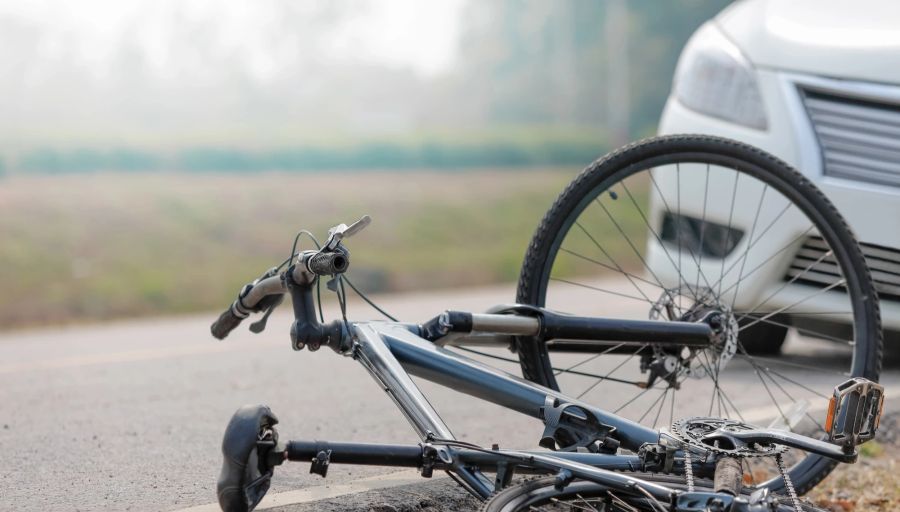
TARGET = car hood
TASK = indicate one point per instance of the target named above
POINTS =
(854, 40)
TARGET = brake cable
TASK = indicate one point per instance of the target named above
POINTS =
(374, 306)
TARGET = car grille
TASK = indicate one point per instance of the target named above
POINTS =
(883, 262)
(860, 139)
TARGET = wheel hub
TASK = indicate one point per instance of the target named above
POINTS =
(687, 304)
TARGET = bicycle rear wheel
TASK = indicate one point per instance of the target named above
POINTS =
(541, 496)
(681, 227)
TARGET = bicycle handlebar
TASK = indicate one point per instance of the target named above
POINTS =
(226, 323)
(247, 302)
(331, 259)
(328, 263)
(321, 263)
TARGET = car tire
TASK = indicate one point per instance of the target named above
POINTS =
(764, 338)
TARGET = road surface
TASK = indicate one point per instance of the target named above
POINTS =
(129, 415)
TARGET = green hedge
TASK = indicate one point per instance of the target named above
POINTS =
(51, 161)
(371, 155)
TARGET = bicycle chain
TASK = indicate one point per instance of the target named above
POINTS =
(792, 493)
(689, 470)
(686, 430)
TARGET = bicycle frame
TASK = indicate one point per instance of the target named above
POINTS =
(391, 352)
(407, 352)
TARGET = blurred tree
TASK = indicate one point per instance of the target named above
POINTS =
(530, 61)
(176, 77)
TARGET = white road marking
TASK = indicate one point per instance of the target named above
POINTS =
(324, 492)
(119, 357)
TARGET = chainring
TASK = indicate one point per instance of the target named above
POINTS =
(712, 434)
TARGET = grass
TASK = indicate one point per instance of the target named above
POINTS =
(109, 245)
(98, 246)
(870, 485)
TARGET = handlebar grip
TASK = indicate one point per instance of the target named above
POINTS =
(328, 263)
(226, 323)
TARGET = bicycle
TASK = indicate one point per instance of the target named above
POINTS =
(592, 458)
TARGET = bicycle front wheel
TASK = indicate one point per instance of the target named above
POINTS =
(684, 227)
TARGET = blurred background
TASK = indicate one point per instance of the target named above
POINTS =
(155, 155)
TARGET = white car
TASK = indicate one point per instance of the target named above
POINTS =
(817, 84)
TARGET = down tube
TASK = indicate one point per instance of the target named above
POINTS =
(423, 359)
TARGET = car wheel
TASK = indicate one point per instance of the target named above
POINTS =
(764, 338)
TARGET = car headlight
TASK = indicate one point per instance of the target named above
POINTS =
(714, 78)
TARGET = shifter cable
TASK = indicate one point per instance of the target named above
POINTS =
(369, 301)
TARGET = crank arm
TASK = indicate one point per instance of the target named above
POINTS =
(793, 440)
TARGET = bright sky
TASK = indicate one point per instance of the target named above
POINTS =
(421, 35)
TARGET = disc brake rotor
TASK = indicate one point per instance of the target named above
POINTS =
(704, 307)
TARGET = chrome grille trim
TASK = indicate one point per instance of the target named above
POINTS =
(883, 263)
(859, 137)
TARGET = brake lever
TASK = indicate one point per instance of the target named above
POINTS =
(342, 231)
(260, 325)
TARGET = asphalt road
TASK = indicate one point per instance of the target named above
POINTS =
(129, 415)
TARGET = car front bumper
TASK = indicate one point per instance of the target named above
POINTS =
(872, 210)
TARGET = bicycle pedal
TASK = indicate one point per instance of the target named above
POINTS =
(854, 412)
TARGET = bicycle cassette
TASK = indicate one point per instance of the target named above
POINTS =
(713, 434)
